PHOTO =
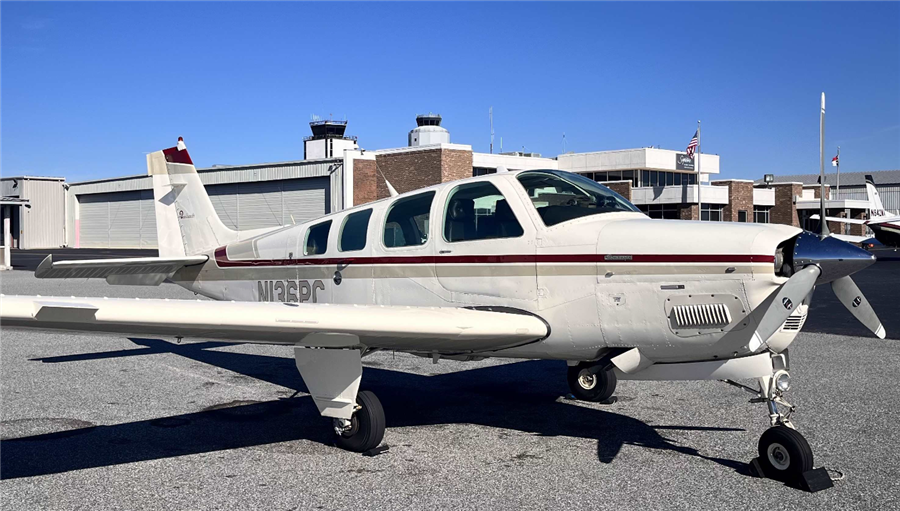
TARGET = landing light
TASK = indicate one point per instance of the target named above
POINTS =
(782, 380)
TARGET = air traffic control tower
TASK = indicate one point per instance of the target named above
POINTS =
(428, 131)
(327, 140)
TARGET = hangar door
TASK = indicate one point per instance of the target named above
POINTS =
(116, 220)
(244, 206)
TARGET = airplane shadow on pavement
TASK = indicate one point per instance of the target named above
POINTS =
(521, 396)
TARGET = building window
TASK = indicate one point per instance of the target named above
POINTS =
(761, 214)
(482, 171)
(479, 211)
(353, 233)
(711, 212)
(407, 221)
(664, 211)
(317, 238)
(742, 215)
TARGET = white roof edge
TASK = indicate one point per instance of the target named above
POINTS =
(42, 178)
(430, 147)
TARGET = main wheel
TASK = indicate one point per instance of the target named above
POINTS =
(590, 382)
(784, 454)
(366, 426)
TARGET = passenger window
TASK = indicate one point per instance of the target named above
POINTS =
(478, 211)
(407, 221)
(317, 238)
(353, 234)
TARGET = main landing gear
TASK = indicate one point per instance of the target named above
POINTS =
(364, 431)
(332, 377)
(592, 381)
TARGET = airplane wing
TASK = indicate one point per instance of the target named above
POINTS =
(840, 219)
(147, 271)
(441, 329)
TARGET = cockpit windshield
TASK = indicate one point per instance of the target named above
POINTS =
(561, 196)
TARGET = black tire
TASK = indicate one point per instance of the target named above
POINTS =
(784, 454)
(366, 426)
(591, 383)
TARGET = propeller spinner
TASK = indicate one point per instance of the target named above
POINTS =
(820, 261)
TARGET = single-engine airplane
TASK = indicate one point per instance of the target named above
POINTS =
(539, 264)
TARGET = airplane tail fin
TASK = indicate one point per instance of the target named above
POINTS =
(875, 205)
(186, 221)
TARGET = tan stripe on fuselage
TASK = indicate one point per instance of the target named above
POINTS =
(419, 271)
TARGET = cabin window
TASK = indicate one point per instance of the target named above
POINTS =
(407, 221)
(317, 238)
(561, 196)
(353, 233)
(478, 211)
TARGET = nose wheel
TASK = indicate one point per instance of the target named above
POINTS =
(784, 454)
(591, 382)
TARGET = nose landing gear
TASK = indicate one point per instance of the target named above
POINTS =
(592, 381)
(784, 454)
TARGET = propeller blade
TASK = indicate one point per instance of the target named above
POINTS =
(790, 295)
(852, 298)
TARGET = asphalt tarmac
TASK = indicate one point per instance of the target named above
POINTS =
(93, 421)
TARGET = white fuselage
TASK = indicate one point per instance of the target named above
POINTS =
(603, 281)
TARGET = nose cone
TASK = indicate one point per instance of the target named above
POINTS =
(836, 258)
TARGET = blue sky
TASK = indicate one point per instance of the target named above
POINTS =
(87, 89)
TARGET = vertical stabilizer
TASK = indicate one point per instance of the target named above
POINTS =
(876, 208)
(186, 222)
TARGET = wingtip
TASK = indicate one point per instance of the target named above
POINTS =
(880, 333)
(45, 266)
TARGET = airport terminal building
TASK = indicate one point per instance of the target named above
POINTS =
(336, 174)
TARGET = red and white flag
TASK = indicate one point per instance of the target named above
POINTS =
(835, 162)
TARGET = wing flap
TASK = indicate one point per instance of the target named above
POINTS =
(132, 271)
(442, 329)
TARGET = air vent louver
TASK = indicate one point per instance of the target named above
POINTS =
(701, 315)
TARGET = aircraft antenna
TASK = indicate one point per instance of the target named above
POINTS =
(491, 117)
(823, 224)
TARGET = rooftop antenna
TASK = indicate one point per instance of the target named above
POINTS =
(491, 117)
(564, 142)
(391, 190)
(823, 224)
(501, 144)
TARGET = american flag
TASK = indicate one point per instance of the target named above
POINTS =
(692, 145)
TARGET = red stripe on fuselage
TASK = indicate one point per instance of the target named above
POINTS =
(223, 261)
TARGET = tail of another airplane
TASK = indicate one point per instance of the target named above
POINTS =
(186, 222)
(876, 208)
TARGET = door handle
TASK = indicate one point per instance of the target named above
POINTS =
(444, 251)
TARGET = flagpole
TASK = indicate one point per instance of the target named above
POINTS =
(838, 172)
(699, 183)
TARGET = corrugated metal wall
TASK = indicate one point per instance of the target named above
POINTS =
(890, 195)
(245, 197)
(127, 219)
(244, 206)
(117, 220)
(43, 224)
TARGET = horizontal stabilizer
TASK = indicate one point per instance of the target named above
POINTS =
(132, 271)
(840, 219)
(441, 329)
(849, 238)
